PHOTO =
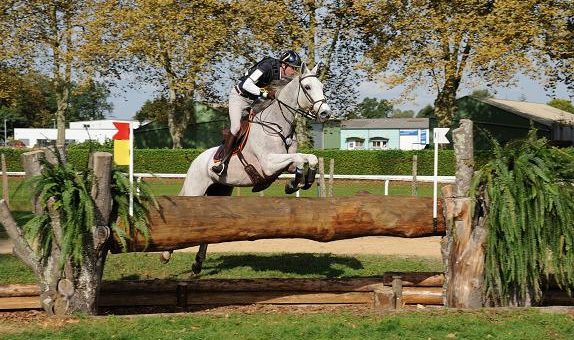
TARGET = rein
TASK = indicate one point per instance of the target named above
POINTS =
(294, 111)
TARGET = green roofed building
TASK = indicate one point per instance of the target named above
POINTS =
(506, 120)
(204, 133)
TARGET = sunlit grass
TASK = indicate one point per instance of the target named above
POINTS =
(438, 324)
(144, 266)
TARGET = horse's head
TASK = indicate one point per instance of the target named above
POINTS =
(310, 97)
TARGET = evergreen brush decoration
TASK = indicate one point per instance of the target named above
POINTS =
(528, 189)
(70, 190)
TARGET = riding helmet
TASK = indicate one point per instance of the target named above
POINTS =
(291, 58)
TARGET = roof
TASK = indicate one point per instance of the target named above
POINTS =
(386, 123)
(541, 113)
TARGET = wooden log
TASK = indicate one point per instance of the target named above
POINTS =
(21, 302)
(5, 191)
(18, 290)
(189, 221)
(422, 295)
(430, 279)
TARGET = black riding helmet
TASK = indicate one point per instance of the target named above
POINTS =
(291, 58)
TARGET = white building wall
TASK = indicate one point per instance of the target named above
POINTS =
(79, 132)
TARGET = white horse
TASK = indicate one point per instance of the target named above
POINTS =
(270, 149)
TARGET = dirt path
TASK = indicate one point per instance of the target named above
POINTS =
(379, 245)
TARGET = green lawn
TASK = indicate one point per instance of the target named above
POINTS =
(19, 193)
(438, 324)
(143, 266)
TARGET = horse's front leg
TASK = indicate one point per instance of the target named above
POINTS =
(276, 162)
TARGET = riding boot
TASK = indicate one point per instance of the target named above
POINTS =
(220, 167)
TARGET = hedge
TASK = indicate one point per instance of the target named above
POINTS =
(347, 162)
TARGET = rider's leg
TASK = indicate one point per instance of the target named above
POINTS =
(237, 105)
(219, 168)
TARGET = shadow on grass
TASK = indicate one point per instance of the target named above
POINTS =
(324, 265)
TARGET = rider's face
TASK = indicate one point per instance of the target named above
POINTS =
(289, 70)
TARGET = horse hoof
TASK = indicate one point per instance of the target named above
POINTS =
(196, 268)
(289, 189)
(165, 256)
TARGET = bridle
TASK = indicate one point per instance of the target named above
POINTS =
(309, 114)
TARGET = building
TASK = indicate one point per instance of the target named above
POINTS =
(78, 132)
(506, 120)
(384, 134)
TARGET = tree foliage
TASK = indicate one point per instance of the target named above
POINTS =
(441, 44)
(528, 193)
(371, 108)
(562, 104)
(55, 38)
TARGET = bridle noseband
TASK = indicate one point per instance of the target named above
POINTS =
(309, 113)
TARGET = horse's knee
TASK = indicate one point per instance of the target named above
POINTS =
(313, 161)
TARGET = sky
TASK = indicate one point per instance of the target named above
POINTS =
(128, 103)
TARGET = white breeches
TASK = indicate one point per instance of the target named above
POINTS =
(238, 106)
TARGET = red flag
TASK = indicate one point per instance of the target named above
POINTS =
(123, 131)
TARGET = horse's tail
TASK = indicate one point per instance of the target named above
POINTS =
(197, 178)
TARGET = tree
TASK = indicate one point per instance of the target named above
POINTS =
(397, 113)
(55, 38)
(371, 108)
(89, 101)
(325, 29)
(444, 43)
(427, 111)
(155, 110)
(562, 104)
(482, 93)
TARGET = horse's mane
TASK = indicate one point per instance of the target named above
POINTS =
(277, 85)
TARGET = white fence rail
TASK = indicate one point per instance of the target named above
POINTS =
(386, 178)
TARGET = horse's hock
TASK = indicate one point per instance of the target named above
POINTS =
(184, 222)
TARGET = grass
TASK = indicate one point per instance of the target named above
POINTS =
(19, 194)
(142, 266)
(442, 324)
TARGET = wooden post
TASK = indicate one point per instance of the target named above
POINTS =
(322, 189)
(465, 248)
(32, 167)
(397, 286)
(331, 176)
(5, 191)
(414, 182)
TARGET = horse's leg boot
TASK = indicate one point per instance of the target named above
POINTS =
(220, 167)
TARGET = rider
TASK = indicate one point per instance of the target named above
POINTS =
(251, 87)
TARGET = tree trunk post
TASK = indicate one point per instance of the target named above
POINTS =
(463, 248)
(5, 191)
(322, 188)
(414, 183)
(32, 167)
(331, 176)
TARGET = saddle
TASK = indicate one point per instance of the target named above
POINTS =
(259, 182)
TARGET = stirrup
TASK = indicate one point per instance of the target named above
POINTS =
(219, 169)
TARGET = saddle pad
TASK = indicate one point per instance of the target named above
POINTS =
(239, 142)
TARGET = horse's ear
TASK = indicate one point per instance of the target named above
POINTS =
(316, 68)
(304, 68)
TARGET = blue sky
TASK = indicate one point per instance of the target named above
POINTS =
(126, 104)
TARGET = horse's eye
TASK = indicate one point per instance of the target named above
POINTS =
(307, 87)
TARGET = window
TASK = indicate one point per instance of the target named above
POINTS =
(355, 143)
(379, 143)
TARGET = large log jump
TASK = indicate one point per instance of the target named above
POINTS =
(189, 221)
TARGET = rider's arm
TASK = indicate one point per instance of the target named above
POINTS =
(249, 83)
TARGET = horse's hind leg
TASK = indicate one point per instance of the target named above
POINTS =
(165, 256)
(199, 258)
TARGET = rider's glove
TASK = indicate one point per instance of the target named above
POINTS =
(267, 94)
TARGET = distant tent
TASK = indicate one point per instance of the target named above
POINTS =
(203, 134)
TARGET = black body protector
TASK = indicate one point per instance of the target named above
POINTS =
(270, 67)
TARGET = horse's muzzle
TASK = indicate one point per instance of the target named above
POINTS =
(324, 115)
